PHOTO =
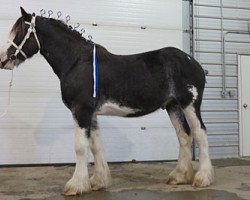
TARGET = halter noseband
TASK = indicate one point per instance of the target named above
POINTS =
(31, 29)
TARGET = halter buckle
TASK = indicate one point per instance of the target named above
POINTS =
(32, 25)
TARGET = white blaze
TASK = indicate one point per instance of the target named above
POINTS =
(4, 49)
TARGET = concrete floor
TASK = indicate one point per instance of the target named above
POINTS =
(131, 181)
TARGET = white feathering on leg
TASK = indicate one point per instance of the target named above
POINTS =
(79, 183)
(101, 177)
(205, 175)
(183, 173)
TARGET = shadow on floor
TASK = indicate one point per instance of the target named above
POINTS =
(153, 195)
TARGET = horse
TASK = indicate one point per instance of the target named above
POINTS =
(127, 86)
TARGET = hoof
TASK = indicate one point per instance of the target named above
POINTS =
(171, 181)
(74, 187)
(99, 182)
(69, 192)
(97, 187)
(203, 178)
(177, 176)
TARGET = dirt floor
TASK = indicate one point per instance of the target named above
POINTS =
(131, 181)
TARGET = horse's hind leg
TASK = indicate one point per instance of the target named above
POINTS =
(101, 177)
(205, 175)
(183, 173)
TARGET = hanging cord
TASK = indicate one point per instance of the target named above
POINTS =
(9, 94)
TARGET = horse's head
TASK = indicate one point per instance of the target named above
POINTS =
(22, 42)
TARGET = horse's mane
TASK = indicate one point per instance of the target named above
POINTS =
(64, 26)
(19, 26)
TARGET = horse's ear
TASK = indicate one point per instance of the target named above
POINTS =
(24, 13)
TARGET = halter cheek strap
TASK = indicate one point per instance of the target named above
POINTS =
(32, 29)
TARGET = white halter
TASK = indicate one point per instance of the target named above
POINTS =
(30, 30)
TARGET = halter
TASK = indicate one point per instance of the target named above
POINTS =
(31, 29)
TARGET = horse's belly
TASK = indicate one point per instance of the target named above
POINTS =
(110, 108)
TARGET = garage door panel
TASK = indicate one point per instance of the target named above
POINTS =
(38, 127)
(34, 146)
(123, 40)
(109, 12)
(47, 119)
(40, 146)
(146, 145)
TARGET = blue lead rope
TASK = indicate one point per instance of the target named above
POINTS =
(95, 73)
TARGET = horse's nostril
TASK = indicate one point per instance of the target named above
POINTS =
(13, 57)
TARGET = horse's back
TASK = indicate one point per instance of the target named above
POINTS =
(165, 59)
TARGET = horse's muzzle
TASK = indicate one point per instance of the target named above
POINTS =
(4, 65)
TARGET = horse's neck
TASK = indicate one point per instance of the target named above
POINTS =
(60, 50)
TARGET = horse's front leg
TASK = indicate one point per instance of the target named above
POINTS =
(80, 183)
(101, 177)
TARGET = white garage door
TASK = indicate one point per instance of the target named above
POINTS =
(38, 127)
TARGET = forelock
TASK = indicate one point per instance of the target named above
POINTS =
(19, 26)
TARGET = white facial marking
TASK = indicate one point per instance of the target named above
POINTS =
(110, 108)
(193, 90)
(7, 44)
(189, 58)
(4, 49)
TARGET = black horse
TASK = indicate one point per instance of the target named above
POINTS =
(128, 86)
